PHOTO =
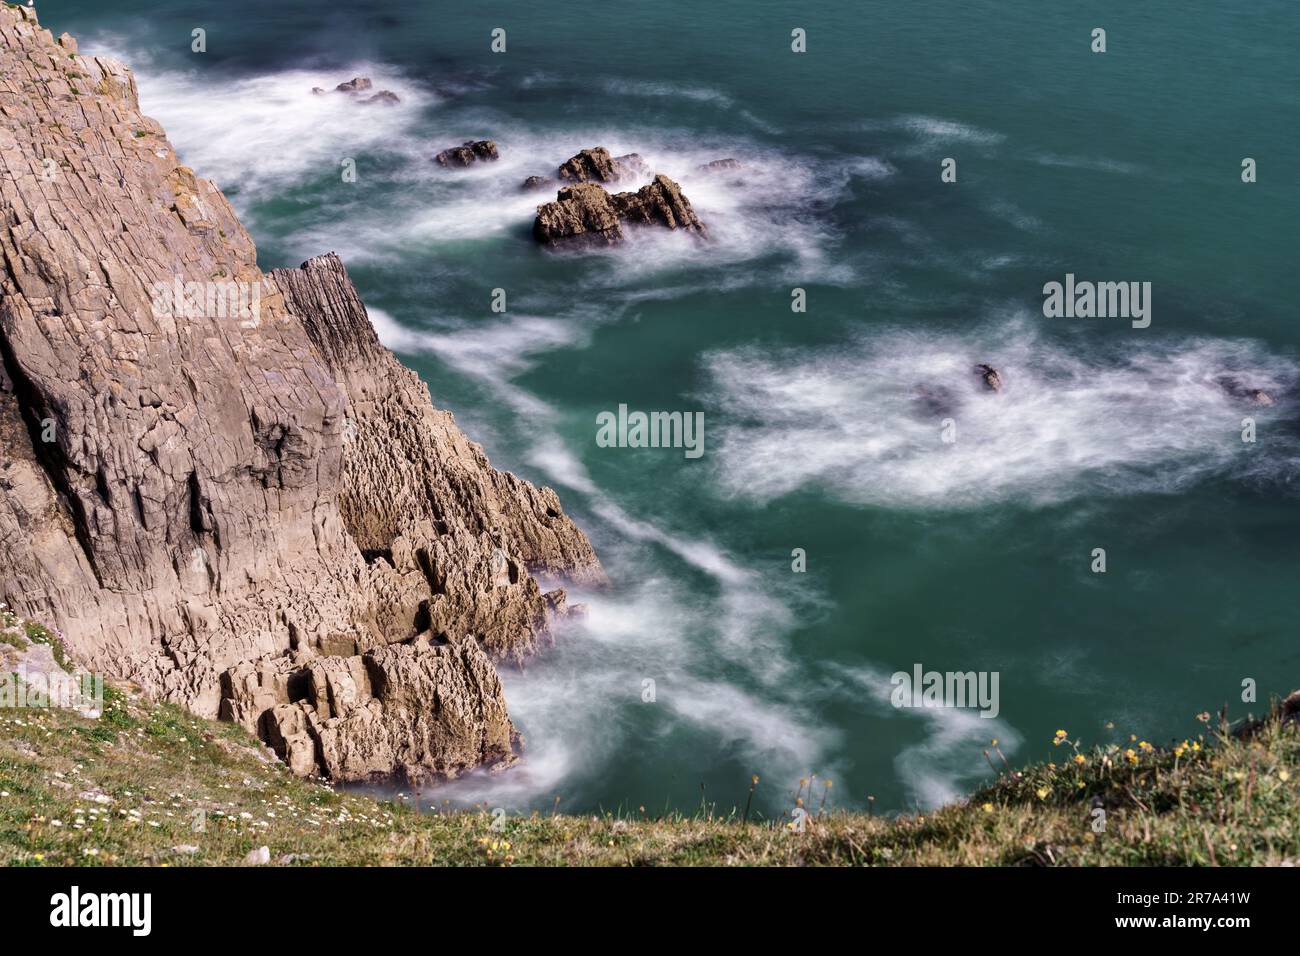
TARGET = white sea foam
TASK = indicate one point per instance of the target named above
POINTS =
(258, 134)
(949, 760)
(1145, 417)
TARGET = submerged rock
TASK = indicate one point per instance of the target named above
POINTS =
(936, 401)
(357, 84)
(631, 166)
(587, 214)
(535, 183)
(989, 375)
(469, 152)
(386, 97)
(1237, 389)
(720, 165)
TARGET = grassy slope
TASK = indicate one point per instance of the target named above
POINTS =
(148, 783)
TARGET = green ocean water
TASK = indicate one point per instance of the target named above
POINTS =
(975, 555)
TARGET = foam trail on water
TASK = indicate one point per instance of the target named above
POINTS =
(573, 704)
(949, 760)
(256, 135)
(865, 424)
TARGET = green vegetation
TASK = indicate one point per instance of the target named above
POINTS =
(150, 784)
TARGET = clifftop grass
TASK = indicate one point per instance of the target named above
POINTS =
(148, 784)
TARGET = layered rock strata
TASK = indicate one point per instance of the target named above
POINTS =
(217, 483)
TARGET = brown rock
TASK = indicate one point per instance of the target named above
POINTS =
(357, 84)
(384, 98)
(470, 152)
(989, 375)
(534, 183)
(582, 214)
(587, 214)
(236, 505)
(590, 166)
(661, 203)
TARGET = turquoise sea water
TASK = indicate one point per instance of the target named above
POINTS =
(966, 556)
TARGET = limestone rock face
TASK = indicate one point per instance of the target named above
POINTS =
(587, 214)
(204, 468)
(421, 710)
(468, 153)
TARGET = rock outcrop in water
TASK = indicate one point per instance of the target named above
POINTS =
(590, 166)
(989, 376)
(585, 214)
(217, 483)
(1244, 392)
(468, 153)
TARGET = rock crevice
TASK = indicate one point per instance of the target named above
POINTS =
(187, 492)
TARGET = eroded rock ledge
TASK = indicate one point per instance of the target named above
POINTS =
(258, 514)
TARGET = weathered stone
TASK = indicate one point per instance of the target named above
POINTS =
(533, 183)
(589, 166)
(660, 203)
(384, 97)
(587, 214)
(355, 85)
(470, 152)
(582, 214)
(230, 502)
(990, 377)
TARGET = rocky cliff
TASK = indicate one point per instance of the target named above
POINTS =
(218, 483)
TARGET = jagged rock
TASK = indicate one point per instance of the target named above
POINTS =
(661, 203)
(990, 377)
(424, 710)
(533, 183)
(357, 84)
(590, 165)
(720, 165)
(587, 214)
(384, 97)
(471, 152)
(582, 214)
(1242, 392)
(266, 484)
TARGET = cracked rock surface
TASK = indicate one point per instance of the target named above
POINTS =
(256, 512)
